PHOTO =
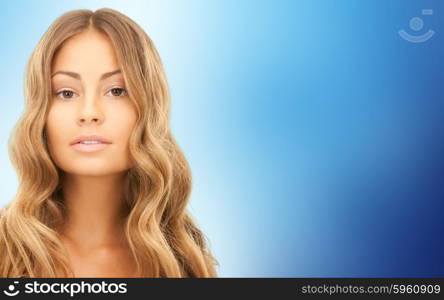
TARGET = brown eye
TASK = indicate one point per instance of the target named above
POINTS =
(118, 92)
(66, 94)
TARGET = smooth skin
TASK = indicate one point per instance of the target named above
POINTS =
(86, 103)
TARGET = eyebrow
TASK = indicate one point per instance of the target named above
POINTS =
(78, 77)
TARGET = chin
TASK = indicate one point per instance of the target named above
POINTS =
(91, 169)
(89, 172)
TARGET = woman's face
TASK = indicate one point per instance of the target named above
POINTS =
(89, 98)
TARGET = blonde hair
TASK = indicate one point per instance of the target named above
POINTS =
(162, 236)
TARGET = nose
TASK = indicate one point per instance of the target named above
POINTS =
(90, 112)
(87, 120)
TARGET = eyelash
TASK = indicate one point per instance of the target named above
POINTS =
(66, 90)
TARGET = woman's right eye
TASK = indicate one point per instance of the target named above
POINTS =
(65, 94)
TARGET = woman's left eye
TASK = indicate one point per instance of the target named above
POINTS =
(117, 92)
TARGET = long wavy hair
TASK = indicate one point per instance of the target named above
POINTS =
(162, 236)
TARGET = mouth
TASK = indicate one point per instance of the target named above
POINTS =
(89, 147)
(90, 143)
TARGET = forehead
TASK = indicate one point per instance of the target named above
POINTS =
(89, 51)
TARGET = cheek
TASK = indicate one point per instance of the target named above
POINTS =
(123, 120)
(58, 134)
(57, 123)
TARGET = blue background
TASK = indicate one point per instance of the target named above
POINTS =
(313, 130)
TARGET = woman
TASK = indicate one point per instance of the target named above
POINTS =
(103, 186)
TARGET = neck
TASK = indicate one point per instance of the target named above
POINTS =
(95, 207)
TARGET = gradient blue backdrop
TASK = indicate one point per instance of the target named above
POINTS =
(314, 131)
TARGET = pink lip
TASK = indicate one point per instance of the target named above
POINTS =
(90, 138)
(90, 147)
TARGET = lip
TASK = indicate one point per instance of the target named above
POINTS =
(91, 147)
